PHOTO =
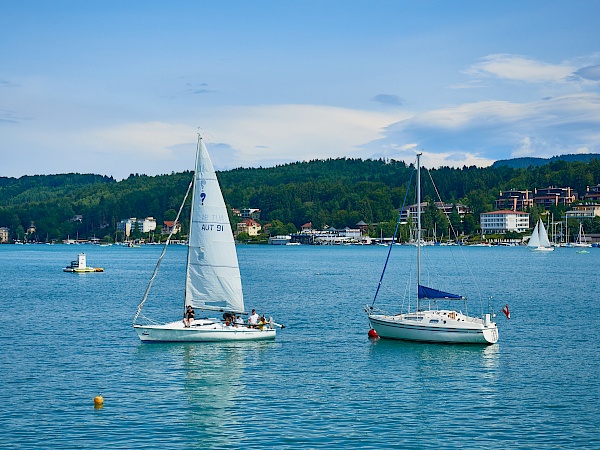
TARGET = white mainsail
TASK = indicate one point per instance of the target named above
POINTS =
(539, 242)
(544, 241)
(213, 279)
(534, 240)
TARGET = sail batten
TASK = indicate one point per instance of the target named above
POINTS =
(213, 280)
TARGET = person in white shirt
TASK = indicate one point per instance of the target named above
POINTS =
(253, 319)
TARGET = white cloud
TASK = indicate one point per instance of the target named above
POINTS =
(153, 140)
(237, 136)
(582, 150)
(525, 148)
(521, 68)
(277, 133)
(482, 132)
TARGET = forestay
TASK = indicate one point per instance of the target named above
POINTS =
(213, 279)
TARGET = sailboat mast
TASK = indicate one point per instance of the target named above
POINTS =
(197, 170)
(418, 228)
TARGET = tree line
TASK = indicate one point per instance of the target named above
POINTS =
(335, 192)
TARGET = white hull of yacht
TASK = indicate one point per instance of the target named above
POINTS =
(202, 331)
(541, 249)
(435, 326)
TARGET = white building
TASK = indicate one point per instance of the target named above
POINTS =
(350, 232)
(144, 225)
(280, 240)
(4, 234)
(583, 211)
(248, 226)
(147, 225)
(447, 208)
(502, 221)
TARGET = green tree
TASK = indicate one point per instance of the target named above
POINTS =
(277, 228)
(469, 224)
(456, 222)
(170, 215)
(243, 237)
(136, 232)
(290, 228)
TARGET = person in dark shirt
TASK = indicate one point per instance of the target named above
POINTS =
(188, 317)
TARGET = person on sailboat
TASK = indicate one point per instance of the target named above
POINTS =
(188, 317)
(239, 320)
(228, 316)
(262, 322)
(253, 319)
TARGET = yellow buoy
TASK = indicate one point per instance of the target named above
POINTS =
(98, 401)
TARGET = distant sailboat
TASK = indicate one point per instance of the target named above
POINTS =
(432, 325)
(581, 240)
(213, 280)
(539, 241)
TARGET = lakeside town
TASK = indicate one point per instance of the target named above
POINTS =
(508, 224)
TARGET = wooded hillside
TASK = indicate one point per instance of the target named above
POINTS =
(336, 192)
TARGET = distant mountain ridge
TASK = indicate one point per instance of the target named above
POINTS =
(523, 163)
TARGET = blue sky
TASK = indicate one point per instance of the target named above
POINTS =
(117, 87)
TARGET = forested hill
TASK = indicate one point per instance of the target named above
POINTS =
(336, 192)
(522, 163)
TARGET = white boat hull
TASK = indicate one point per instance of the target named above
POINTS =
(541, 249)
(202, 331)
(435, 326)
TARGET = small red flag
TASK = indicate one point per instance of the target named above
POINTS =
(506, 312)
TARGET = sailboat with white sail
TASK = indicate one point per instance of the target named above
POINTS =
(212, 281)
(539, 241)
(581, 239)
(427, 324)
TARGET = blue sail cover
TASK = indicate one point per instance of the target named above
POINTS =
(430, 293)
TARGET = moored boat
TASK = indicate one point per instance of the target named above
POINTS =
(427, 324)
(80, 266)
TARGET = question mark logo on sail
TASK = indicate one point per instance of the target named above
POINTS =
(202, 194)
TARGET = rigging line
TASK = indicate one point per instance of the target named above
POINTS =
(140, 306)
(456, 236)
(393, 238)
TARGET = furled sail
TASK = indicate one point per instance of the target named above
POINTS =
(213, 276)
(430, 293)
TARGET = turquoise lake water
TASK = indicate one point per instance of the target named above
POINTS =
(322, 383)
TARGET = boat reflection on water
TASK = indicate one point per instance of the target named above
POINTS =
(198, 386)
(446, 357)
(214, 389)
(211, 398)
